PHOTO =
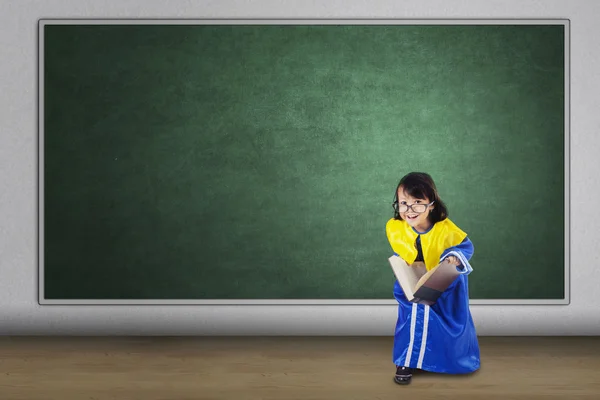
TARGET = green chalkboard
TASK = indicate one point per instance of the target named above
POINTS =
(193, 162)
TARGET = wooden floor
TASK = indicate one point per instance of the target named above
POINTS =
(38, 368)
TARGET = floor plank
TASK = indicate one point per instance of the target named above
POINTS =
(284, 368)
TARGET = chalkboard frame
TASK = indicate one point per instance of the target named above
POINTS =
(42, 300)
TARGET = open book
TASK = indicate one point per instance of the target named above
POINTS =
(420, 285)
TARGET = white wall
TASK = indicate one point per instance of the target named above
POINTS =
(19, 311)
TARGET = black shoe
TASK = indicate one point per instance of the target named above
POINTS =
(403, 376)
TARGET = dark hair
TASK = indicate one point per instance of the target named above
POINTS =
(420, 185)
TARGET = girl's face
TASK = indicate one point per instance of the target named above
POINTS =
(417, 219)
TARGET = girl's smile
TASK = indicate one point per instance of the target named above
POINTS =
(418, 219)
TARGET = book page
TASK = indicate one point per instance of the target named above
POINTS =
(406, 275)
(419, 267)
(445, 273)
(425, 277)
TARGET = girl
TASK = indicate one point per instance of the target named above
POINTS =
(439, 338)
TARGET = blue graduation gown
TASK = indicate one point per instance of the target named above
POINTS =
(439, 338)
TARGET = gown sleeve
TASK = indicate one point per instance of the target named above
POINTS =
(464, 252)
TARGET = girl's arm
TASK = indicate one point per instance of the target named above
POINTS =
(463, 253)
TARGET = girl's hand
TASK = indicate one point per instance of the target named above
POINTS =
(453, 260)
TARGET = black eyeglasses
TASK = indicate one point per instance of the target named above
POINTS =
(418, 208)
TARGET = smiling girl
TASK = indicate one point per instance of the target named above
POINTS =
(439, 338)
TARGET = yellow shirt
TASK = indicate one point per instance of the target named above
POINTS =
(441, 236)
